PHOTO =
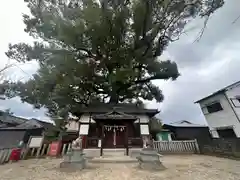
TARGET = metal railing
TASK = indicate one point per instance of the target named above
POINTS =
(189, 146)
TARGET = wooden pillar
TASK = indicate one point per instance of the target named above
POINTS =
(102, 137)
(126, 139)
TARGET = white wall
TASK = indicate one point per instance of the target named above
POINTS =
(84, 118)
(223, 118)
(143, 118)
(231, 94)
(72, 126)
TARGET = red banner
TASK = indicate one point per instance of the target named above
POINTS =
(55, 148)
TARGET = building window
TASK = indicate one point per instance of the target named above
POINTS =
(226, 133)
(204, 110)
(215, 107)
(236, 102)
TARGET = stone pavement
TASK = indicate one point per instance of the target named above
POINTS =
(185, 167)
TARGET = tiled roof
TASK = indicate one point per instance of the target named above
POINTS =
(121, 107)
(185, 123)
(44, 124)
(21, 123)
(10, 119)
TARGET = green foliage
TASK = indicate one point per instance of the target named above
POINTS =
(105, 50)
(155, 125)
(57, 132)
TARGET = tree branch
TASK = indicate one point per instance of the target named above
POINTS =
(164, 75)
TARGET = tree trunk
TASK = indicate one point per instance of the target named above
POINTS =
(114, 99)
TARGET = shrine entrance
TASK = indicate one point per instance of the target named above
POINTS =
(116, 128)
(114, 136)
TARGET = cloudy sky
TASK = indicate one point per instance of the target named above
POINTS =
(205, 66)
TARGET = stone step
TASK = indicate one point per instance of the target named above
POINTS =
(92, 152)
(133, 152)
(114, 152)
(116, 159)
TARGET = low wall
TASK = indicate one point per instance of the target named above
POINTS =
(220, 147)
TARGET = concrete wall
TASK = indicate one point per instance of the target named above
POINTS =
(232, 93)
(220, 147)
(220, 119)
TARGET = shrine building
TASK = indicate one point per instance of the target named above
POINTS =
(109, 126)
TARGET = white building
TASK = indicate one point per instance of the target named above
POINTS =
(222, 111)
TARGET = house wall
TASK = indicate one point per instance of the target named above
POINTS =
(164, 136)
(32, 132)
(231, 94)
(223, 118)
(188, 133)
(10, 138)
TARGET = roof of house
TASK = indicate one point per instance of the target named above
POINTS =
(44, 124)
(121, 107)
(184, 123)
(22, 123)
(10, 119)
(219, 91)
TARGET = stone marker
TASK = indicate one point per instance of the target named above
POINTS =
(75, 157)
(149, 159)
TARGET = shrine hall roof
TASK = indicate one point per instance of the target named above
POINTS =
(123, 107)
(115, 115)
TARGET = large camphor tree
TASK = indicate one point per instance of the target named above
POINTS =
(101, 50)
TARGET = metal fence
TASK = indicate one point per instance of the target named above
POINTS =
(27, 153)
(5, 155)
(190, 146)
(43, 151)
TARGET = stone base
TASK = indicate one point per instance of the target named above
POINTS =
(151, 166)
(149, 159)
(74, 159)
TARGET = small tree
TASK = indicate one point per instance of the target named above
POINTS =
(155, 126)
(57, 132)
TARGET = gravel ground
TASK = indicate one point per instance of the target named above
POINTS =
(185, 167)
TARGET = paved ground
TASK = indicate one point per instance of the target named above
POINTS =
(184, 167)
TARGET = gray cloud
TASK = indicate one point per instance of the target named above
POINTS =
(205, 66)
(22, 109)
(219, 30)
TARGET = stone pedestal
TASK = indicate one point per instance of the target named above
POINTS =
(74, 159)
(149, 159)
